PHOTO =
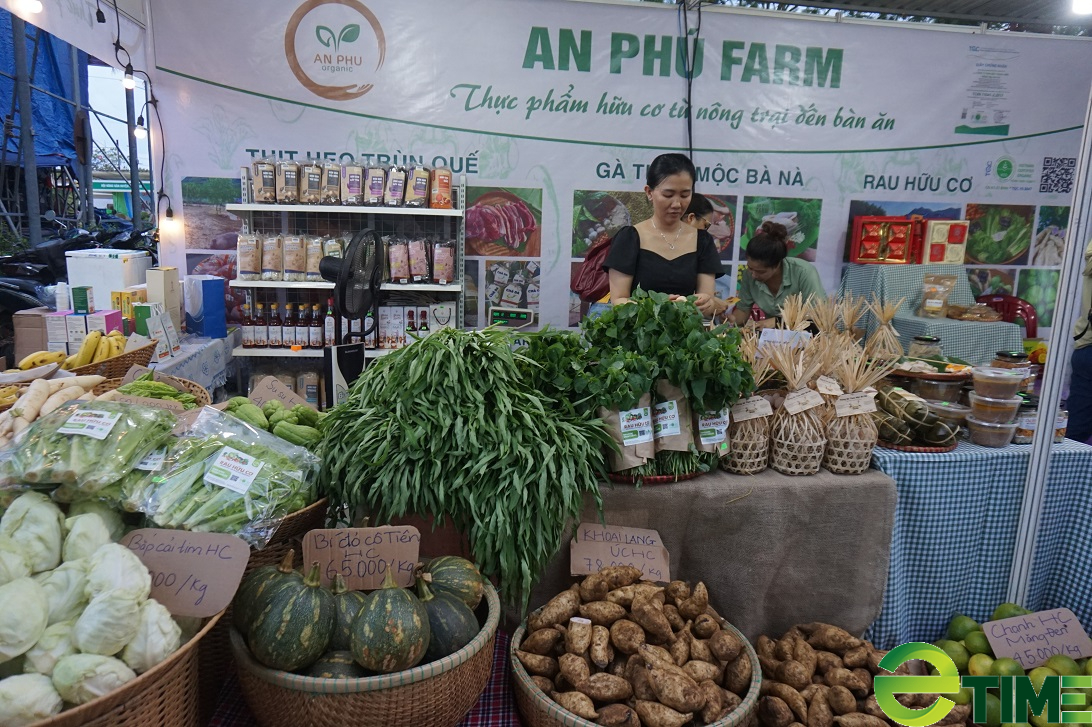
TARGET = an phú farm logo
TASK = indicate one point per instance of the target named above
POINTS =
(332, 46)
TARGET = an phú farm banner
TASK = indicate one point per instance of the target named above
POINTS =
(555, 108)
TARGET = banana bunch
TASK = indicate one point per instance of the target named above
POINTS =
(41, 358)
(8, 395)
(96, 347)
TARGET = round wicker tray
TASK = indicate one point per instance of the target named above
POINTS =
(438, 694)
(915, 448)
(115, 368)
(538, 710)
(199, 392)
(650, 479)
(162, 696)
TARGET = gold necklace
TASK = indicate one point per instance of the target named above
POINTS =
(670, 245)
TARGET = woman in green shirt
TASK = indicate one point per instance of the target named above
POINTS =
(771, 276)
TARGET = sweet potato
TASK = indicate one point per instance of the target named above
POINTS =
(694, 606)
(700, 649)
(793, 673)
(543, 666)
(650, 616)
(680, 651)
(773, 712)
(660, 657)
(577, 703)
(558, 610)
(618, 715)
(832, 638)
(616, 667)
(855, 658)
(859, 720)
(804, 653)
(676, 690)
(603, 687)
(810, 628)
(789, 696)
(737, 675)
(546, 685)
(769, 666)
(871, 706)
(600, 650)
(764, 646)
(819, 712)
(794, 633)
(731, 700)
(784, 648)
(677, 592)
(847, 679)
(825, 661)
(602, 613)
(714, 701)
(542, 642)
(650, 589)
(619, 576)
(704, 626)
(578, 636)
(960, 714)
(637, 676)
(574, 668)
(809, 691)
(874, 658)
(622, 596)
(865, 677)
(725, 645)
(677, 622)
(626, 636)
(701, 671)
(841, 700)
(654, 714)
(594, 588)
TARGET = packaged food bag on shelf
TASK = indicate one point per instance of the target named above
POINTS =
(223, 475)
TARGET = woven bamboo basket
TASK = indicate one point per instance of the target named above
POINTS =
(199, 392)
(797, 442)
(749, 442)
(538, 710)
(438, 694)
(115, 368)
(163, 696)
(216, 654)
(850, 441)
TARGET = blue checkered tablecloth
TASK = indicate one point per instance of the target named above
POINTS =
(973, 341)
(955, 529)
(206, 361)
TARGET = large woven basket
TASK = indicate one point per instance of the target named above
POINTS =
(850, 441)
(216, 655)
(115, 368)
(439, 694)
(749, 447)
(199, 392)
(163, 696)
(538, 710)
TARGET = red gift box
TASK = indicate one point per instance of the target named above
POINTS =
(886, 240)
(945, 241)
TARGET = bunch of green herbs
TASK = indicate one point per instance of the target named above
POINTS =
(145, 385)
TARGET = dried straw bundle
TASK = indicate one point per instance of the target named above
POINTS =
(749, 440)
(795, 313)
(825, 313)
(851, 438)
(884, 342)
(797, 440)
(851, 310)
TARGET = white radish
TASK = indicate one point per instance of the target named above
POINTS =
(18, 425)
(109, 395)
(31, 402)
(63, 396)
(87, 381)
(87, 396)
(6, 421)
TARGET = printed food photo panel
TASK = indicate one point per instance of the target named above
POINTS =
(799, 216)
(503, 221)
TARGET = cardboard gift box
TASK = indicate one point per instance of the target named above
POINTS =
(886, 240)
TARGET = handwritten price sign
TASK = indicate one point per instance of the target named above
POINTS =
(597, 546)
(193, 574)
(364, 555)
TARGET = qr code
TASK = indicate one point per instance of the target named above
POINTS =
(1058, 175)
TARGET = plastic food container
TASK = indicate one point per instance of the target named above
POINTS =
(1025, 425)
(996, 411)
(998, 383)
(1061, 423)
(949, 412)
(989, 434)
(936, 390)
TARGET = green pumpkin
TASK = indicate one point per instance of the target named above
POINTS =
(452, 625)
(336, 665)
(293, 624)
(347, 605)
(391, 632)
(257, 583)
(457, 577)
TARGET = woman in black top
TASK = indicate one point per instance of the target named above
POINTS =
(664, 254)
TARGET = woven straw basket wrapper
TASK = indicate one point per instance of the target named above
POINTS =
(199, 392)
(538, 710)
(850, 441)
(115, 368)
(797, 443)
(163, 696)
(749, 442)
(439, 694)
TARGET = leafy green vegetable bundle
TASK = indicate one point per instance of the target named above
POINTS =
(452, 427)
(145, 385)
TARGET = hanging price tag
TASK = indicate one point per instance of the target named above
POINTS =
(90, 423)
(713, 428)
(802, 399)
(666, 419)
(636, 425)
(752, 408)
(861, 402)
(828, 386)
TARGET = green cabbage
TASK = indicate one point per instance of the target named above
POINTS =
(13, 561)
(55, 644)
(66, 590)
(86, 534)
(157, 638)
(26, 699)
(114, 567)
(35, 523)
(23, 618)
(108, 623)
(82, 677)
(109, 515)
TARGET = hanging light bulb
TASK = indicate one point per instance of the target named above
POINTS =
(31, 6)
(170, 212)
(139, 131)
(127, 80)
(100, 17)
(1082, 7)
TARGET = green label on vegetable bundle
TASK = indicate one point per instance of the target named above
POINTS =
(666, 419)
(636, 425)
(91, 423)
(713, 428)
(233, 470)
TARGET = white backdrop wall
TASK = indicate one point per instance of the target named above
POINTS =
(551, 104)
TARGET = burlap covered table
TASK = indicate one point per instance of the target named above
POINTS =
(773, 550)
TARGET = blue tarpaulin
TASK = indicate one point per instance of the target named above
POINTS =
(52, 71)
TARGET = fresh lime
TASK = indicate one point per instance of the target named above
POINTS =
(963, 696)
(1041, 721)
(956, 652)
(1063, 665)
(993, 711)
(979, 665)
(960, 626)
(1008, 610)
(1039, 674)
(1006, 667)
(977, 643)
